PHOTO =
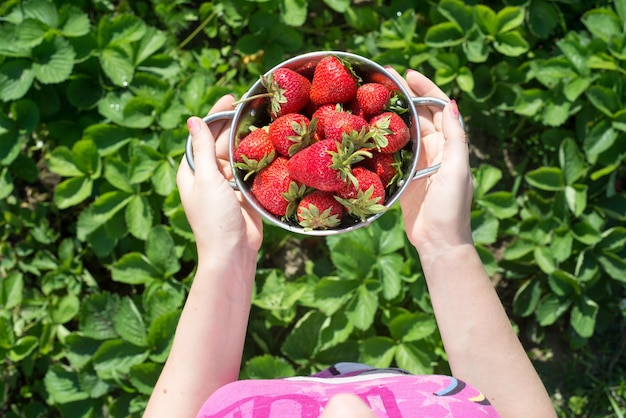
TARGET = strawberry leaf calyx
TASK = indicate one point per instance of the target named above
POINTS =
(363, 205)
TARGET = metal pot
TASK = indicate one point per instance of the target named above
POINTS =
(247, 113)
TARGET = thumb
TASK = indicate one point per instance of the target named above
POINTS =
(203, 146)
(456, 150)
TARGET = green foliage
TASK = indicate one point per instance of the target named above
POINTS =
(96, 254)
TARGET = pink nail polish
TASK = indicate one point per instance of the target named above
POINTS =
(192, 124)
(408, 70)
(454, 109)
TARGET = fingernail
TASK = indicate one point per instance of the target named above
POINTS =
(454, 109)
(408, 70)
(193, 124)
(388, 67)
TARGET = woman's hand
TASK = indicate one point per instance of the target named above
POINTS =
(220, 218)
(436, 209)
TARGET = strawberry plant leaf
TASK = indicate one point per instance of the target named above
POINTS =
(484, 227)
(161, 335)
(603, 23)
(378, 351)
(16, 78)
(53, 60)
(583, 317)
(96, 316)
(129, 324)
(511, 44)
(546, 178)
(335, 331)
(509, 18)
(134, 268)
(604, 99)
(457, 12)
(139, 217)
(414, 357)
(117, 65)
(11, 290)
(486, 20)
(551, 308)
(108, 138)
(161, 252)
(72, 191)
(571, 160)
(267, 366)
(114, 358)
(63, 385)
(527, 297)
(43, 11)
(443, 35)
(388, 267)
(613, 264)
(362, 308)
(302, 343)
(144, 376)
(293, 12)
(543, 18)
(501, 204)
(412, 326)
(73, 22)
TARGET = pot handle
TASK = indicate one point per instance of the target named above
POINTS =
(431, 101)
(208, 119)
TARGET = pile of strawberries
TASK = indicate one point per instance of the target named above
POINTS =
(333, 149)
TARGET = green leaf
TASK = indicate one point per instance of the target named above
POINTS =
(83, 92)
(486, 20)
(614, 265)
(352, 254)
(575, 87)
(544, 259)
(335, 331)
(23, 348)
(583, 317)
(134, 268)
(475, 47)
(139, 217)
(571, 160)
(485, 178)
(117, 65)
(412, 326)
(12, 290)
(600, 138)
(576, 197)
(43, 11)
(442, 35)
(564, 284)
(414, 358)
(511, 44)
(613, 239)
(603, 23)
(389, 266)
(339, 6)
(362, 308)
(73, 22)
(377, 351)
(586, 233)
(63, 385)
(546, 178)
(527, 297)
(543, 18)
(604, 99)
(508, 18)
(502, 204)
(530, 102)
(293, 12)
(161, 335)
(16, 77)
(161, 251)
(267, 366)
(129, 324)
(302, 343)
(139, 113)
(72, 191)
(551, 308)
(86, 158)
(164, 178)
(65, 309)
(484, 227)
(457, 12)
(115, 358)
(119, 30)
(332, 293)
(108, 138)
(144, 376)
(96, 316)
(53, 60)
(80, 349)
(561, 244)
(149, 44)
(115, 172)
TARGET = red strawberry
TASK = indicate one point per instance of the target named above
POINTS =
(289, 91)
(324, 165)
(372, 98)
(319, 210)
(320, 113)
(254, 152)
(386, 166)
(392, 133)
(333, 82)
(290, 133)
(365, 198)
(337, 123)
(275, 189)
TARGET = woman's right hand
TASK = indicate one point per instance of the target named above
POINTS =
(436, 209)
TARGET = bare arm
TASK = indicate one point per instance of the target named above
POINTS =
(207, 348)
(480, 342)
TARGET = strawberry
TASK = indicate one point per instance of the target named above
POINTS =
(386, 166)
(319, 210)
(337, 123)
(324, 165)
(364, 198)
(254, 152)
(275, 189)
(289, 91)
(320, 114)
(391, 132)
(334, 81)
(290, 133)
(372, 98)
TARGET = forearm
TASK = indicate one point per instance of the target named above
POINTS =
(481, 345)
(207, 349)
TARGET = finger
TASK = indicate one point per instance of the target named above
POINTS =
(423, 86)
(347, 405)
(203, 146)
(456, 150)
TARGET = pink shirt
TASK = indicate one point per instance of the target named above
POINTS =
(387, 394)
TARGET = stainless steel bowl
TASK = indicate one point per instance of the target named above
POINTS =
(249, 113)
